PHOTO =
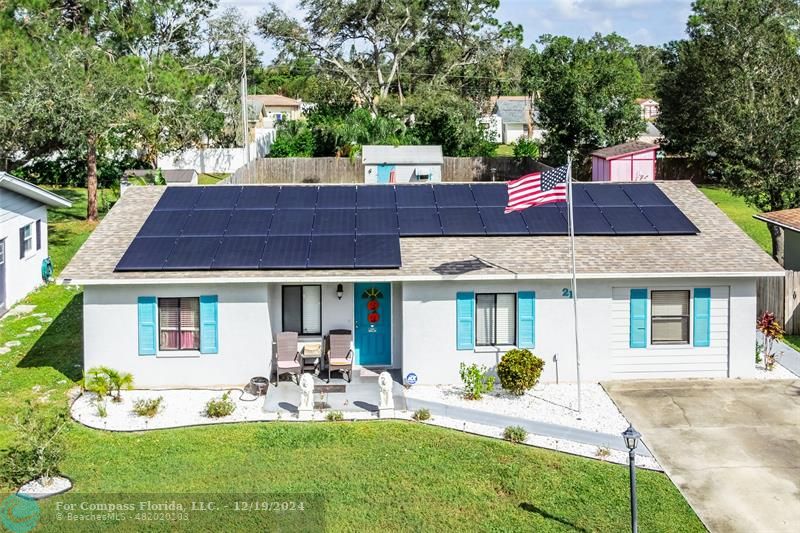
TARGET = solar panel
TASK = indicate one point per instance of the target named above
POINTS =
(336, 197)
(646, 194)
(453, 196)
(239, 253)
(581, 197)
(490, 194)
(285, 252)
(258, 197)
(545, 220)
(164, 224)
(207, 222)
(297, 197)
(499, 223)
(335, 222)
(419, 221)
(249, 222)
(669, 220)
(415, 196)
(179, 198)
(377, 251)
(146, 253)
(218, 197)
(292, 222)
(628, 221)
(590, 221)
(192, 253)
(376, 221)
(332, 251)
(609, 196)
(461, 221)
(375, 197)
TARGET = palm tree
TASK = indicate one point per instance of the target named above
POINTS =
(117, 381)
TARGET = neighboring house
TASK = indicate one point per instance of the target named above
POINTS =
(650, 134)
(23, 237)
(274, 108)
(186, 287)
(401, 164)
(789, 221)
(650, 108)
(178, 176)
(633, 161)
(512, 118)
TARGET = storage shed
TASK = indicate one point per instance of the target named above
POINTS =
(633, 161)
(401, 164)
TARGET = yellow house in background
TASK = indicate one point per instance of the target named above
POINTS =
(266, 110)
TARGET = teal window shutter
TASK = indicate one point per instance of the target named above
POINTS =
(148, 332)
(209, 337)
(526, 319)
(465, 312)
(702, 317)
(638, 334)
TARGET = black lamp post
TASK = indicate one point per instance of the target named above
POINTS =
(631, 437)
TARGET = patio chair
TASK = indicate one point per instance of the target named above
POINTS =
(287, 360)
(339, 357)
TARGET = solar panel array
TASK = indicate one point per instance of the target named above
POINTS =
(359, 226)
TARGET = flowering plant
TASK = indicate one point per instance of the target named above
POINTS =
(772, 331)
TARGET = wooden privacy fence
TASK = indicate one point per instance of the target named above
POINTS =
(343, 170)
(782, 297)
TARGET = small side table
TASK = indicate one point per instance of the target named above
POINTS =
(312, 356)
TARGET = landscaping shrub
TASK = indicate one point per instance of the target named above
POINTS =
(421, 415)
(219, 407)
(148, 408)
(519, 370)
(334, 416)
(477, 381)
(515, 434)
(772, 331)
(37, 449)
(103, 380)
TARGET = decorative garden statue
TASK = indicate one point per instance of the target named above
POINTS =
(306, 395)
(386, 406)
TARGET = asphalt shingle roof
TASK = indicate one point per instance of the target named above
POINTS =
(623, 149)
(720, 249)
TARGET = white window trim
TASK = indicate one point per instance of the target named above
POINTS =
(32, 251)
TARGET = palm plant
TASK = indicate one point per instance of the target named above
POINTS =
(117, 381)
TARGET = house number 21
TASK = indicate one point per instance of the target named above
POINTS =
(566, 293)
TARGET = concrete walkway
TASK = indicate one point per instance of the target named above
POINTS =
(788, 357)
(731, 446)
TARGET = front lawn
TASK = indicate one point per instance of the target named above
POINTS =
(741, 213)
(391, 476)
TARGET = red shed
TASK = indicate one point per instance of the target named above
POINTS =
(633, 161)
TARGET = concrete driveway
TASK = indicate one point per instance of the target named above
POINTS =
(732, 447)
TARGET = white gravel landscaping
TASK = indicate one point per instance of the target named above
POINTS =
(777, 372)
(574, 448)
(551, 403)
(37, 489)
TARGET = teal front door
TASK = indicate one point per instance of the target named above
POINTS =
(373, 316)
(385, 173)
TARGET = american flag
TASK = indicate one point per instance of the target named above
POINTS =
(537, 189)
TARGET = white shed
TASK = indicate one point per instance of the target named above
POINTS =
(401, 164)
(23, 236)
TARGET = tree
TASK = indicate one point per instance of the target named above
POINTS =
(343, 136)
(588, 89)
(293, 139)
(730, 99)
(650, 60)
(366, 43)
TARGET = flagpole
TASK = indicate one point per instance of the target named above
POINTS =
(574, 280)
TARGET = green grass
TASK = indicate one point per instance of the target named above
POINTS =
(211, 178)
(393, 476)
(505, 150)
(741, 213)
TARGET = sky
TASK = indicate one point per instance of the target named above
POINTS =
(640, 21)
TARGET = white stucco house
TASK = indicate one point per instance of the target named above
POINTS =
(167, 304)
(23, 237)
(402, 164)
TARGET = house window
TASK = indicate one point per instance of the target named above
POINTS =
(178, 324)
(302, 309)
(27, 239)
(670, 317)
(495, 319)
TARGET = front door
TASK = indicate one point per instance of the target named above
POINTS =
(373, 317)
(385, 173)
(2, 276)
